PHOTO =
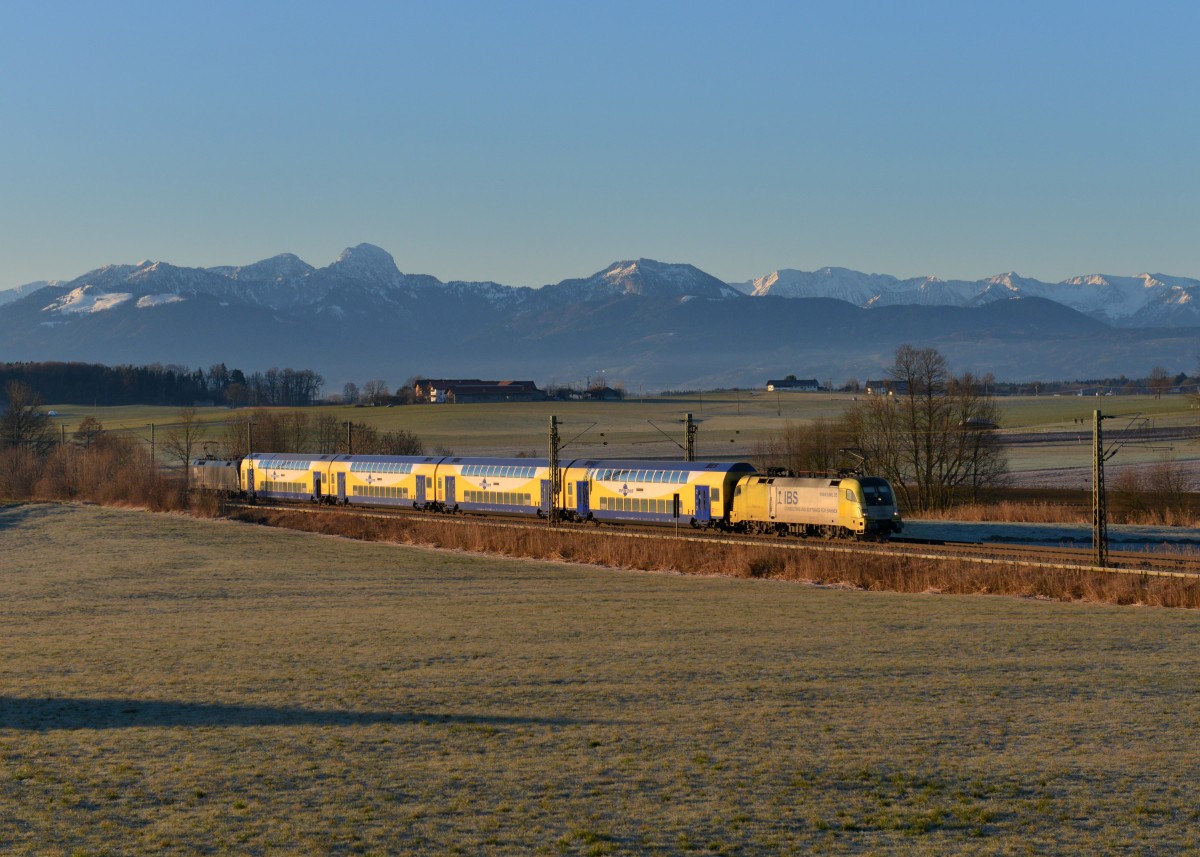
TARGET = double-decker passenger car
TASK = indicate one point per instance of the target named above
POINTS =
(286, 476)
(510, 486)
(696, 492)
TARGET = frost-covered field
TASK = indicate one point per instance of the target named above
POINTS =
(1120, 536)
(169, 685)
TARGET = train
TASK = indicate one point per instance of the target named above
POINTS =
(730, 496)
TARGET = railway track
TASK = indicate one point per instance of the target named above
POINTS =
(1030, 556)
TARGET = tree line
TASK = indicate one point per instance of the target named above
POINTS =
(156, 384)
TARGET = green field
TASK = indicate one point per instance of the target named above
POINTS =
(173, 685)
(730, 423)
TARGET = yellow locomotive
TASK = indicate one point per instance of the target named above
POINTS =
(861, 506)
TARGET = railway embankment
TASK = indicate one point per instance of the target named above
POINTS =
(822, 564)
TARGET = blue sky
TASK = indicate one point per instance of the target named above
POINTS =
(527, 142)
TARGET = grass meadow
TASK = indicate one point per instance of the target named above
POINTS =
(730, 424)
(174, 685)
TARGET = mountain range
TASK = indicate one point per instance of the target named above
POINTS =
(1145, 300)
(649, 324)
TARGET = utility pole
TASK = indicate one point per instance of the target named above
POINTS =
(1099, 503)
(153, 460)
(555, 476)
(349, 438)
(689, 439)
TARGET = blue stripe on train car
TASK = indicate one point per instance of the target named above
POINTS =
(641, 517)
(285, 495)
(496, 507)
(358, 500)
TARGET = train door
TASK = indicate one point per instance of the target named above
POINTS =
(341, 487)
(420, 490)
(546, 498)
(583, 499)
(249, 480)
(316, 485)
(449, 497)
(703, 508)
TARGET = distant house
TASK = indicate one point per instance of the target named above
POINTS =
(803, 385)
(433, 390)
(473, 390)
(887, 387)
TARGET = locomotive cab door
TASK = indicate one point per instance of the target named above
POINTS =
(703, 507)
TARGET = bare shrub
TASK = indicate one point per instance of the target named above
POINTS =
(20, 470)
(207, 504)
(60, 474)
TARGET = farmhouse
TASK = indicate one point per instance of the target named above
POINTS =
(464, 390)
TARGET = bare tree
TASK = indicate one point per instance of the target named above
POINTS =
(327, 434)
(402, 442)
(1158, 381)
(805, 447)
(180, 439)
(350, 393)
(237, 395)
(932, 434)
(375, 391)
(23, 423)
(90, 431)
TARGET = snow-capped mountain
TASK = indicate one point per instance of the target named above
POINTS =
(9, 295)
(277, 269)
(1146, 300)
(839, 283)
(646, 278)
